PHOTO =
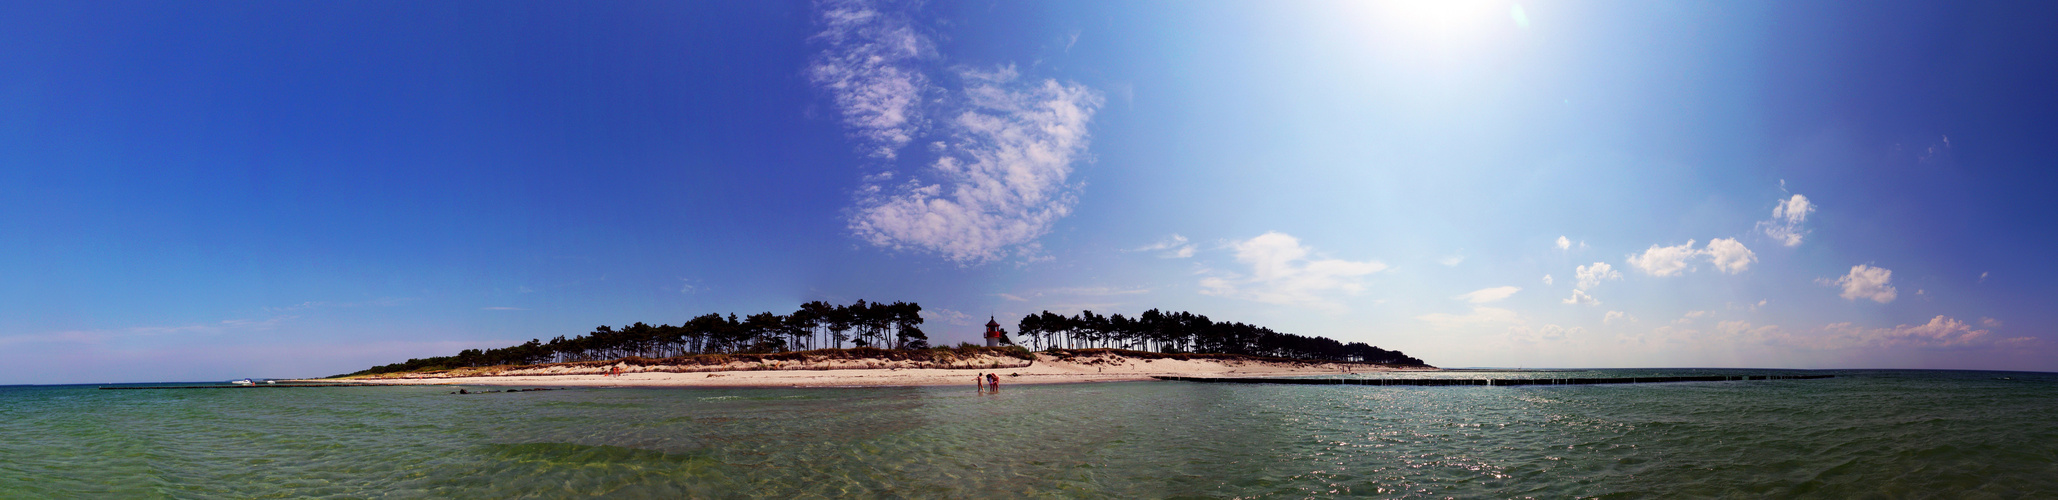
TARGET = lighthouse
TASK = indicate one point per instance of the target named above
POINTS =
(992, 332)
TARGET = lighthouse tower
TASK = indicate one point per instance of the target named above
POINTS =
(992, 332)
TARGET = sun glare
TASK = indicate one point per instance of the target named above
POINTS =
(1440, 22)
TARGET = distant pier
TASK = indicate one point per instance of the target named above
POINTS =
(1489, 381)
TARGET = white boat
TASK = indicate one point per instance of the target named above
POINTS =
(243, 382)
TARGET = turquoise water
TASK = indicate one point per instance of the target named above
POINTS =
(1888, 434)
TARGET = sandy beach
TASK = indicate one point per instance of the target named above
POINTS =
(1045, 370)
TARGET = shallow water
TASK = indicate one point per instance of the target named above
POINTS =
(1886, 434)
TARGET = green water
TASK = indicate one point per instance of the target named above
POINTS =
(1887, 434)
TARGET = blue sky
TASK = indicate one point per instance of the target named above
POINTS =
(194, 192)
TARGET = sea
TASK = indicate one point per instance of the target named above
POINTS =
(1861, 434)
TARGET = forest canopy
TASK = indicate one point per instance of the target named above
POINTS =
(820, 325)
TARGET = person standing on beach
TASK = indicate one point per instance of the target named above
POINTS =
(979, 381)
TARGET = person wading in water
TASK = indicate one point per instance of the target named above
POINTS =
(993, 379)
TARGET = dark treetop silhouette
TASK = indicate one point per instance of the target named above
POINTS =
(820, 325)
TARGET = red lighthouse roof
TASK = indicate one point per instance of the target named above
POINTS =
(990, 323)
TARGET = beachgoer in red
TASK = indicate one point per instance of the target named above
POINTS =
(993, 379)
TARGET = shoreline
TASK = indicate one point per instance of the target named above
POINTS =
(1098, 367)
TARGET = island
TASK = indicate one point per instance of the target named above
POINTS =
(881, 344)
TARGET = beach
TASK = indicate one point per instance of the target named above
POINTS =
(1101, 367)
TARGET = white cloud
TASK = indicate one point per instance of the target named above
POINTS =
(1282, 273)
(1613, 316)
(1012, 297)
(1485, 295)
(1451, 260)
(1480, 316)
(1094, 291)
(1564, 243)
(869, 70)
(1580, 297)
(1548, 333)
(1940, 331)
(1729, 256)
(1690, 316)
(1002, 177)
(1982, 277)
(1990, 322)
(947, 316)
(1867, 282)
(1663, 260)
(1785, 226)
(1174, 247)
(1592, 276)
(1547, 280)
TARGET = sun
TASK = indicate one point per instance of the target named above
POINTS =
(1439, 21)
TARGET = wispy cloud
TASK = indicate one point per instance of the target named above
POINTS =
(1480, 316)
(1616, 316)
(1486, 295)
(947, 316)
(1579, 297)
(1548, 333)
(324, 304)
(1174, 247)
(1002, 179)
(1282, 273)
(1095, 291)
(1691, 316)
(1004, 155)
(1940, 332)
(869, 69)
(1787, 216)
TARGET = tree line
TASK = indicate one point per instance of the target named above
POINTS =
(1160, 331)
(816, 325)
(820, 325)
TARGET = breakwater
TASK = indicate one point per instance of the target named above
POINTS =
(1490, 381)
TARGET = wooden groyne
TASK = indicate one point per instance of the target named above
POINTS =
(1489, 381)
